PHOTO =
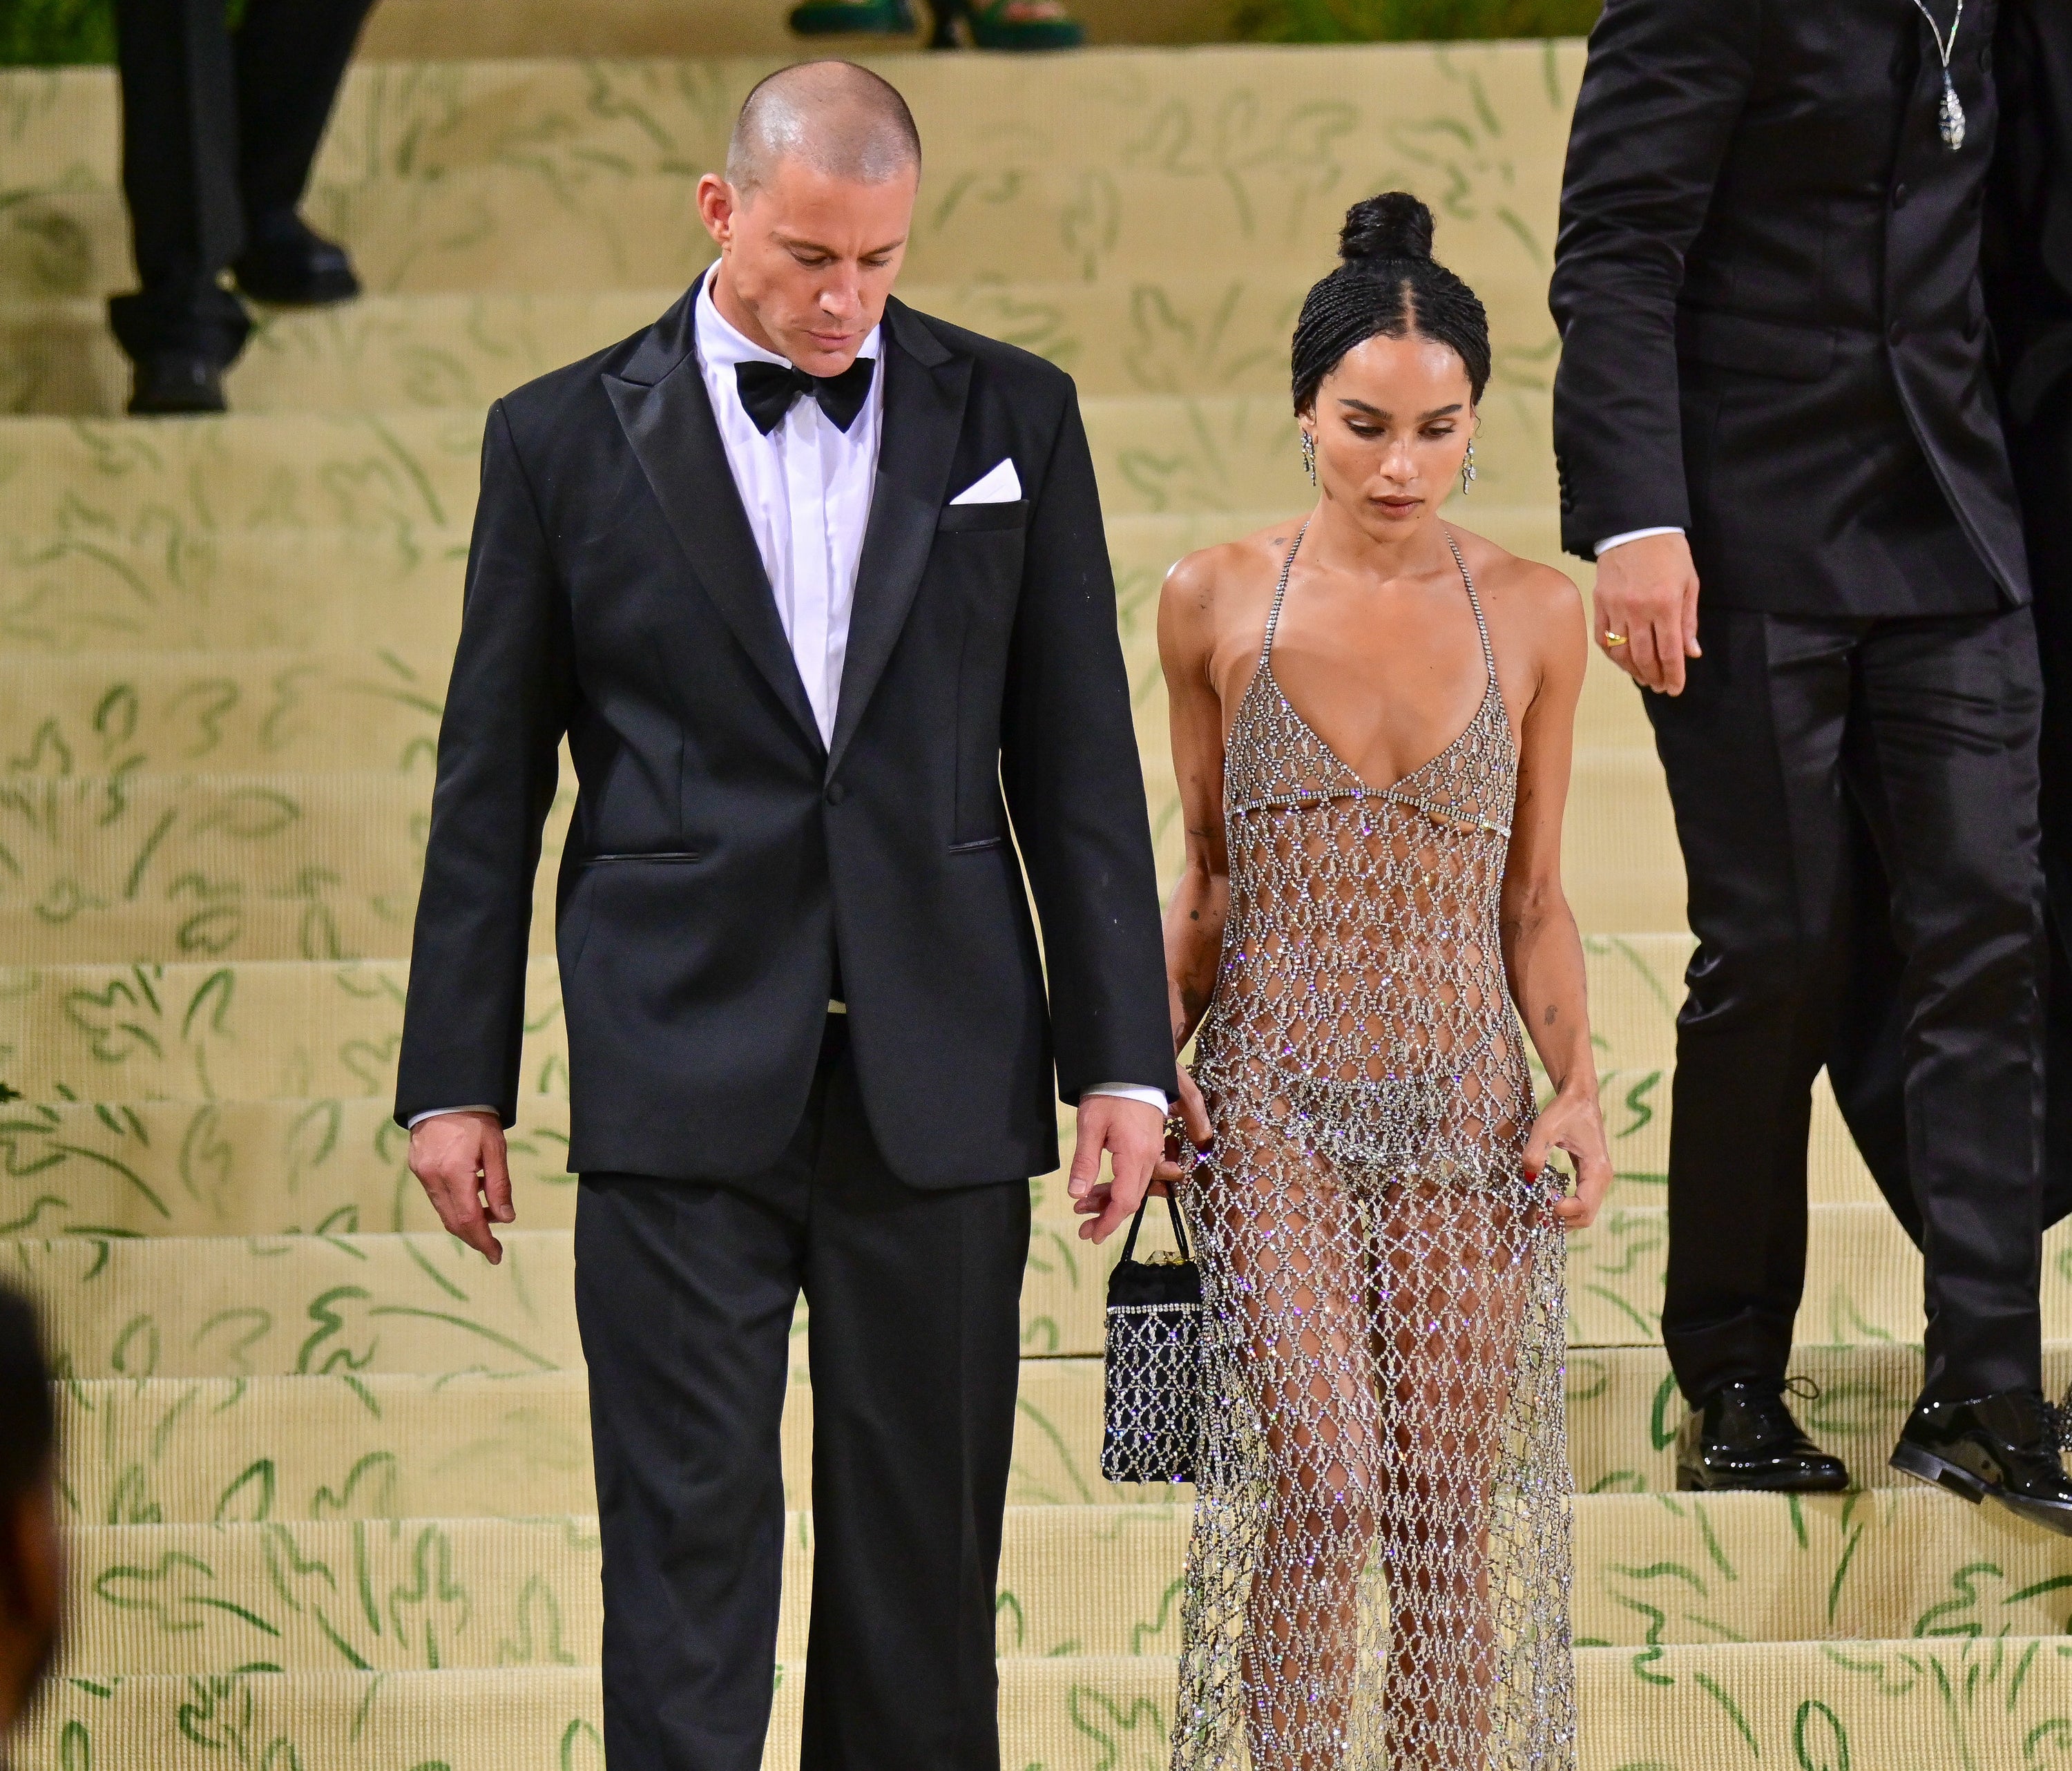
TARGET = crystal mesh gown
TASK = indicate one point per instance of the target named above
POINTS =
(1378, 1571)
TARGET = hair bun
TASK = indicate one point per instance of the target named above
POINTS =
(1394, 225)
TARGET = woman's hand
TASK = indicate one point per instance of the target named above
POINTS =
(1193, 1114)
(1572, 1123)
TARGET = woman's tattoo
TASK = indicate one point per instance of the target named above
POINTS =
(1552, 1013)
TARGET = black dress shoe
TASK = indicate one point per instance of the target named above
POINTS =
(286, 263)
(1743, 1436)
(177, 384)
(2003, 1446)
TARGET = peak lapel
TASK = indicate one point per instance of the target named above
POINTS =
(926, 384)
(668, 418)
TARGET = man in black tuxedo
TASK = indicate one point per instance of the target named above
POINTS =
(219, 132)
(1774, 386)
(817, 589)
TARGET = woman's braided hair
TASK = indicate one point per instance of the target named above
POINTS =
(1388, 285)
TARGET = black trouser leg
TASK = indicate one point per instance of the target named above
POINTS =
(1942, 759)
(684, 1293)
(1752, 752)
(179, 175)
(2042, 453)
(915, 1344)
(291, 56)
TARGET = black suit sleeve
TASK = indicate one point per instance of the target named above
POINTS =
(1069, 767)
(507, 708)
(1662, 93)
(2028, 235)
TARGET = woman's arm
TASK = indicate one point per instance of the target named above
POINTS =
(1543, 954)
(1201, 902)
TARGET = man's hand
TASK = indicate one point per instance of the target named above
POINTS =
(1647, 590)
(460, 1157)
(1133, 1134)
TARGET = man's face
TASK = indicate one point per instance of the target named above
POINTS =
(807, 261)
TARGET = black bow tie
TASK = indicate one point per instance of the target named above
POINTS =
(767, 390)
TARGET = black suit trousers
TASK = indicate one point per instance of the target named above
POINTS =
(684, 1293)
(219, 132)
(1802, 750)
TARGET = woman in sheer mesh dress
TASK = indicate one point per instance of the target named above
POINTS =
(1372, 718)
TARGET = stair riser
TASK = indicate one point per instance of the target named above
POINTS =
(1940, 1703)
(159, 1307)
(419, 1595)
(173, 1451)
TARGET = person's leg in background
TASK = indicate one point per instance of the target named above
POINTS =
(1752, 753)
(190, 157)
(291, 56)
(1943, 760)
(915, 1340)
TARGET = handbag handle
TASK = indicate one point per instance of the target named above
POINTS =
(1179, 1229)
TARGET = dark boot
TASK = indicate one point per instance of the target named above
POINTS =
(1743, 1436)
(176, 384)
(2003, 1446)
(288, 263)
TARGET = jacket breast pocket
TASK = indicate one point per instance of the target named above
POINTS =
(966, 518)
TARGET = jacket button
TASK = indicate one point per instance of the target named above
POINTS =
(837, 793)
(1899, 196)
(1895, 333)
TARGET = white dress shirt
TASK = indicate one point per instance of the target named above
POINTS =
(806, 488)
(1611, 541)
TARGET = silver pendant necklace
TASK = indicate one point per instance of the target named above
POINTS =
(1950, 118)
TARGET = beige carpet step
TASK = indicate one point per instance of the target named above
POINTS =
(261, 1030)
(1279, 140)
(421, 1595)
(1938, 1701)
(175, 1307)
(338, 1166)
(405, 469)
(326, 865)
(175, 1451)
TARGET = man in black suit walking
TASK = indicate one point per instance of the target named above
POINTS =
(1773, 387)
(817, 589)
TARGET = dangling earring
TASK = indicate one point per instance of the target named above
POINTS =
(1309, 454)
(1468, 469)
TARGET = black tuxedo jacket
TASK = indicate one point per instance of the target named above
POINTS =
(721, 856)
(2028, 214)
(1773, 332)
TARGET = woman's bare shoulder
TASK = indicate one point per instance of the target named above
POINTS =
(1522, 592)
(1214, 583)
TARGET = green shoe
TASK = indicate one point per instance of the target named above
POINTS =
(1008, 24)
(852, 17)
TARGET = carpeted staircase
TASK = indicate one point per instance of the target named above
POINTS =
(327, 1474)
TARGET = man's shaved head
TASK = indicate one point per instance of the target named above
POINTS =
(841, 120)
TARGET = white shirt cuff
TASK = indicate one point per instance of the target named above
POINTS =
(418, 1119)
(1605, 546)
(1131, 1091)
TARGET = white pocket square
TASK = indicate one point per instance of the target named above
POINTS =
(997, 485)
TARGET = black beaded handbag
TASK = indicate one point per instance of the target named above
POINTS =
(1151, 1425)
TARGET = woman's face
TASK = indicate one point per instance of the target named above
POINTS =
(1392, 423)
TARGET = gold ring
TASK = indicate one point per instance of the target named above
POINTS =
(1612, 638)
